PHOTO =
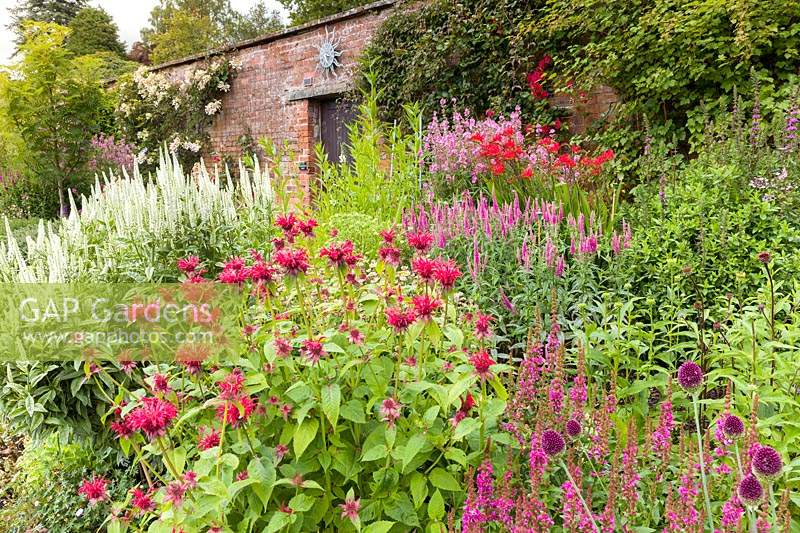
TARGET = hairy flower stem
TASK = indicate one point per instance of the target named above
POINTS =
(580, 496)
(222, 435)
(167, 459)
(738, 460)
(706, 499)
(483, 409)
(397, 365)
(146, 466)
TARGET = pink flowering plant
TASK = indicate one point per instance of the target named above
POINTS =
(365, 393)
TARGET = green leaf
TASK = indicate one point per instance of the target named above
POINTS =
(413, 447)
(301, 503)
(419, 488)
(466, 427)
(354, 412)
(377, 452)
(304, 435)
(278, 521)
(442, 479)
(331, 400)
(381, 526)
(436, 506)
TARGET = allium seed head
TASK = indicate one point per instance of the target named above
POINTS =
(573, 428)
(750, 491)
(767, 463)
(690, 376)
(732, 426)
(552, 443)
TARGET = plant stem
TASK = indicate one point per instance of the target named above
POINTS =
(167, 459)
(580, 496)
(702, 462)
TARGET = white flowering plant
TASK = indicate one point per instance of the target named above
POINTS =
(157, 109)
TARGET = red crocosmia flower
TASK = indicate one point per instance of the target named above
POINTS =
(142, 501)
(209, 440)
(425, 306)
(307, 227)
(565, 160)
(389, 255)
(390, 411)
(340, 255)
(527, 172)
(477, 137)
(424, 268)
(421, 241)
(446, 273)
(497, 167)
(94, 490)
(293, 262)
(313, 350)
(400, 320)
(188, 264)
(152, 417)
(482, 362)
(236, 412)
(388, 236)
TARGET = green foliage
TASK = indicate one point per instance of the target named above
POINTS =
(93, 30)
(46, 484)
(385, 171)
(59, 12)
(467, 50)
(179, 28)
(302, 11)
(108, 65)
(55, 105)
(360, 228)
(672, 62)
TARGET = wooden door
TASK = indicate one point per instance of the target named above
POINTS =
(335, 115)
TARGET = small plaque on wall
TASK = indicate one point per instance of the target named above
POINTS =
(303, 166)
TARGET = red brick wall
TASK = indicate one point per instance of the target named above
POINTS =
(265, 99)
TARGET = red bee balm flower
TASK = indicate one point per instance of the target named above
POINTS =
(425, 306)
(446, 273)
(293, 262)
(399, 319)
(94, 490)
(482, 362)
(152, 417)
(390, 410)
(421, 241)
(142, 501)
(424, 268)
(350, 508)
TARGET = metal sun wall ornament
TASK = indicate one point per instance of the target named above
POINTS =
(329, 54)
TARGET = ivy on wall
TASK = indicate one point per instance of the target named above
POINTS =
(155, 111)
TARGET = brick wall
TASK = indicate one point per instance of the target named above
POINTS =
(276, 94)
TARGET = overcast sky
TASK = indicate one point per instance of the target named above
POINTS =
(130, 15)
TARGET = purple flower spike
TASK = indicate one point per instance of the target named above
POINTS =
(767, 463)
(552, 443)
(690, 376)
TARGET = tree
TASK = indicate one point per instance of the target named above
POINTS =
(93, 30)
(302, 11)
(56, 11)
(55, 104)
(179, 28)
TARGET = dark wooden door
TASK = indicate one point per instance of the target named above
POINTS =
(335, 115)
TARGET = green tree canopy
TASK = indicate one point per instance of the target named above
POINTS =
(302, 11)
(184, 27)
(55, 104)
(93, 30)
(56, 11)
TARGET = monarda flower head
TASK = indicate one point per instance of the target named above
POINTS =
(292, 261)
(390, 411)
(482, 323)
(340, 255)
(313, 350)
(421, 241)
(187, 265)
(152, 417)
(552, 443)
(750, 491)
(399, 319)
(732, 426)
(690, 377)
(482, 362)
(446, 273)
(425, 306)
(424, 268)
(142, 501)
(94, 490)
(767, 463)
